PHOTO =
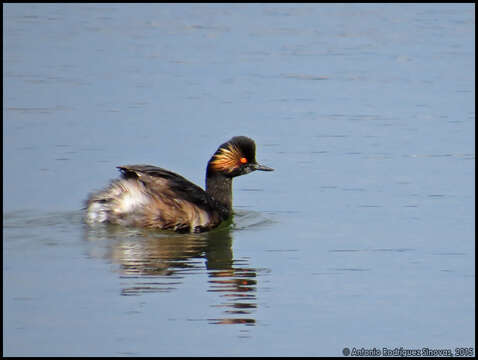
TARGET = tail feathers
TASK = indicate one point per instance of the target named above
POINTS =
(96, 212)
(117, 203)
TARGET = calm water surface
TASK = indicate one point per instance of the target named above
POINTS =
(362, 237)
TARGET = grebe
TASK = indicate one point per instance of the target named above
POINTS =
(152, 197)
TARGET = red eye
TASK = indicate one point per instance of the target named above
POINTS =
(243, 160)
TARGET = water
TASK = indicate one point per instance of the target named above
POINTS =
(362, 237)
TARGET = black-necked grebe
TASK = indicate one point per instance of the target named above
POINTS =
(152, 197)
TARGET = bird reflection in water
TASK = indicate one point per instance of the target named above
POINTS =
(232, 279)
(155, 262)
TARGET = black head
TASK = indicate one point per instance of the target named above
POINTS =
(235, 157)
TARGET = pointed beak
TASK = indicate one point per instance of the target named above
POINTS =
(262, 167)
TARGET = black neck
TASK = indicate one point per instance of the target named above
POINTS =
(219, 187)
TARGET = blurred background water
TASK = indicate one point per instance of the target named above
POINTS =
(362, 237)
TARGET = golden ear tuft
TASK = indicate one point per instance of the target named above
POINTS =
(228, 159)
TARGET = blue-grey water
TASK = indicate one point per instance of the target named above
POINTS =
(363, 237)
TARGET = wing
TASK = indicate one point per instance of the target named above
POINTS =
(149, 196)
(159, 180)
